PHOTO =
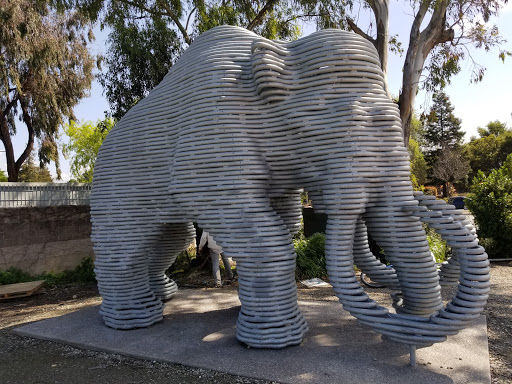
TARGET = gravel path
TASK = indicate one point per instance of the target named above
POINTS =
(26, 360)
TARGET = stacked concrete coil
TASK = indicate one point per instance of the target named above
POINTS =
(228, 139)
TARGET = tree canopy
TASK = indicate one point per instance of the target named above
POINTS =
(31, 173)
(490, 150)
(45, 69)
(442, 138)
(147, 37)
(493, 128)
(84, 143)
(3, 177)
(441, 34)
(442, 129)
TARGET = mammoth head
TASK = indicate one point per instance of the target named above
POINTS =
(326, 62)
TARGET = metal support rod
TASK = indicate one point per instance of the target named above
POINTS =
(412, 355)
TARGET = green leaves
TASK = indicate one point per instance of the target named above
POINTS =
(442, 128)
(84, 143)
(490, 150)
(46, 69)
(491, 204)
(139, 56)
(310, 257)
(31, 173)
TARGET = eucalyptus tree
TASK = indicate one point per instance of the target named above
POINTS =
(45, 69)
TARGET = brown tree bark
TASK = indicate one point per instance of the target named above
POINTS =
(13, 165)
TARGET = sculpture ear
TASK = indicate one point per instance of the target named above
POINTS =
(269, 67)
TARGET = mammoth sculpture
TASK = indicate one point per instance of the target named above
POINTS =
(237, 128)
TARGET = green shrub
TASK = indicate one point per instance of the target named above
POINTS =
(437, 245)
(490, 203)
(428, 190)
(14, 275)
(83, 273)
(310, 257)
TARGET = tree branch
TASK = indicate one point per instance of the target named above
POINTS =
(176, 20)
(436, 33)
(189, 16)
(306, 15)
(168, 12)
(381, 11)
(359, 31)
(418, 19)
(144, 8)
(9, 105)
(261, 14)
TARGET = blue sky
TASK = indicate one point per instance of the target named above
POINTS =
(476, 104)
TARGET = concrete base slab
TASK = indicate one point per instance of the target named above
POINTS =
(199, 330)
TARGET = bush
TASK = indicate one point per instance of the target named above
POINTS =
(184, 261)
(427, 190)
(83, 273)
(437, 245)
(310, 257)
(14, 275)
(490, 203)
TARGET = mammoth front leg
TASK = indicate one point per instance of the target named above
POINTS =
(260, 243)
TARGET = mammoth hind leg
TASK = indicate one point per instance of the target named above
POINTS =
(289, 208)
(169, 241)
(121, 268)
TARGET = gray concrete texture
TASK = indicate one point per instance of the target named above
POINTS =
(199, 330)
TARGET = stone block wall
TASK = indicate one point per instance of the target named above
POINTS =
(44, 239)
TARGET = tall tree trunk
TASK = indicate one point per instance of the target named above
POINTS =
(12, 172)
(420, 45)
(381, 11)
(13, 166)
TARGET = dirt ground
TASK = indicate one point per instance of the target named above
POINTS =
(26, 360)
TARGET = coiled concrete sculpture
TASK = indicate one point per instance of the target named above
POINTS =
(228, 139)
